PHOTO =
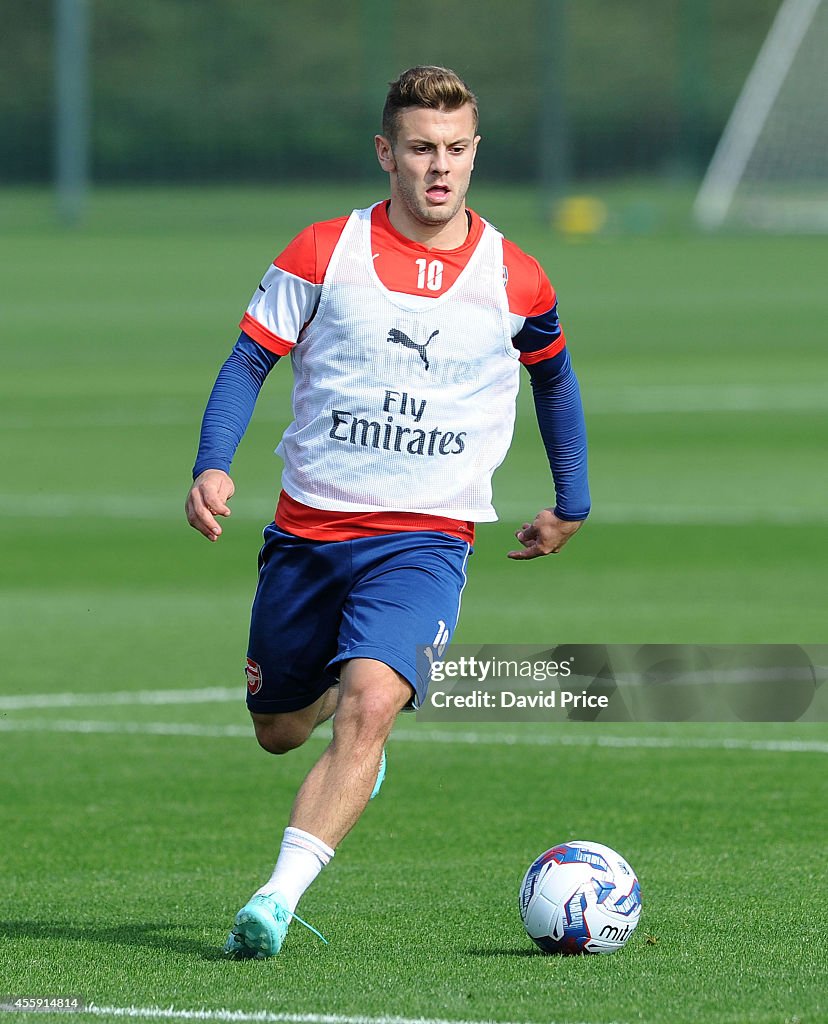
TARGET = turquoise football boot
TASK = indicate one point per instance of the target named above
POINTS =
(380, 776)
(260, 929)
(235, 949)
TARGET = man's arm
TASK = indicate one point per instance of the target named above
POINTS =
(560, 416)
(226, 417)
(538, 336)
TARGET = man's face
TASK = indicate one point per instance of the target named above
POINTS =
(431, 162)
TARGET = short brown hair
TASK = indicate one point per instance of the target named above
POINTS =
(425, 86)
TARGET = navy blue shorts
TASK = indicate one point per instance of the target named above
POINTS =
(320, 603)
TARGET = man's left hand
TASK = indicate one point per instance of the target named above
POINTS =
(546, 535)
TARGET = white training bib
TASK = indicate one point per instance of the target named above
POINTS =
(401, 402)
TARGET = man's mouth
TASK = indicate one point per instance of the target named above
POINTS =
(438, 193)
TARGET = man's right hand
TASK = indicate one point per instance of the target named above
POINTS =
(207, 499)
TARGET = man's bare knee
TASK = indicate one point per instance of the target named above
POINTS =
(277, 734)
(372, 695)
(379, 707)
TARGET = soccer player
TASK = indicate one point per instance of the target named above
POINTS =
(406, 324)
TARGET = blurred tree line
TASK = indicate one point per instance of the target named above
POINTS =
(223, 90)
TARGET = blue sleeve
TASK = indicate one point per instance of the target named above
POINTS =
(538, 332)
(231, 404)
(561, 421)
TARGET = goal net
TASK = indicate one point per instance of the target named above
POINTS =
(770, 168)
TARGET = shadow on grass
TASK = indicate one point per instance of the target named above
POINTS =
(169, 937)
(518, 951)
(159, 935)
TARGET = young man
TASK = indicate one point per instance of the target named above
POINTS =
(406, 324)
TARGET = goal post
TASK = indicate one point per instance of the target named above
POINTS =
(770, 168)
(71, 85)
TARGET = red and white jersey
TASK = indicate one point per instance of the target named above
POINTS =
(411, 296)
(402, 403)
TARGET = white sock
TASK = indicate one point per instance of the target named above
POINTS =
(301, 858)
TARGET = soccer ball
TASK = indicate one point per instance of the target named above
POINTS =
(580, 897)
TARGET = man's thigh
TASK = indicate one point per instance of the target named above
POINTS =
(295, 621)
(405, 594)
(320, 604)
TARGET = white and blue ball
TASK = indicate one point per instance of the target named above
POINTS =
(580, 897)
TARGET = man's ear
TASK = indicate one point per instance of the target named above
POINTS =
(475, 144)
(385, 153)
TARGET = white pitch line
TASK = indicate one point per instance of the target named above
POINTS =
(100, 421)
(707, 515)
(206, 695)
(698, 398)
(126, 728)
(257, 508)
(267, 1017)
(122, 506)
(425, 735)
(633, 400)
(235, 694)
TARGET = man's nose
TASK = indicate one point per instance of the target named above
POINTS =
(439, 161)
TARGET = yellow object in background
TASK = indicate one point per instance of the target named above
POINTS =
(580, 215)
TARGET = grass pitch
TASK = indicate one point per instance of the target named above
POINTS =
(132, 831)
(126, 857)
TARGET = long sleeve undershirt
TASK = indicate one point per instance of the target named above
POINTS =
(560, 416)
(231, 403)
(554, 388)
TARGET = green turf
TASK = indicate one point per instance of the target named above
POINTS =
(702, 364)
(125, 857)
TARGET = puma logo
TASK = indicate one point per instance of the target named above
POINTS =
(402, 339)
